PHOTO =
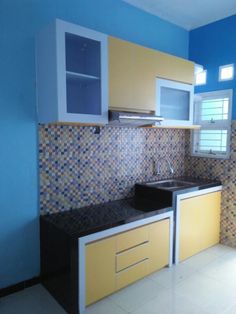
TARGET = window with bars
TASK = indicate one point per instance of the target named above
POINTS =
(212, 111)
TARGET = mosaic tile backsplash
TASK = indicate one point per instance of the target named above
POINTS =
(225, 171)
(79, 168)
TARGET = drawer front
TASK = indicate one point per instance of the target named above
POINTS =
(131, 238)
(131, 274)
(132, 256)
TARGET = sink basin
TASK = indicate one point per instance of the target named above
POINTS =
(170, 184)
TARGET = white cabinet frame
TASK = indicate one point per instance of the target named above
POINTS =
(51, 74)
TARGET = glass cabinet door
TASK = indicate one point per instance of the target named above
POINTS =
(175, 102)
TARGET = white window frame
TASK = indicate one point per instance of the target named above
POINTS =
(222, 67)
(207, 125)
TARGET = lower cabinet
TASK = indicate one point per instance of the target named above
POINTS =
(199, 223)
(100, 269)
(115, 262)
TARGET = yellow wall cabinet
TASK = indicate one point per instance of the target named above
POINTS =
(117, 261)
(133, 70)
(199, 223)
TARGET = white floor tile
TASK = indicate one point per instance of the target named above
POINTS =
(202, 259)
(169, 277)
(132, 297)
(222, 269)
(231, 309)
(220, 250)
(210, 294)
(103, 307)
(169, 302)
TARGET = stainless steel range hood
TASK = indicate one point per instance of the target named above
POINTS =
(131, 119)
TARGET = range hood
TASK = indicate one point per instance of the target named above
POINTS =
(131, 119)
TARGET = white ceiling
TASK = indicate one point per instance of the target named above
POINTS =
(188, 14)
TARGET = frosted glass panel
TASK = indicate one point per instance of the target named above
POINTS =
(83, 55)
(174, 104)
(83, 75)
(83, 96)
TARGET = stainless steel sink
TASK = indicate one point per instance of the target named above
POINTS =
(170, 184)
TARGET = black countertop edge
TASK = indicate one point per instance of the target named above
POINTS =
(90, 219)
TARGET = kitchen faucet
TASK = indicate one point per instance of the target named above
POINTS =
(158, 165)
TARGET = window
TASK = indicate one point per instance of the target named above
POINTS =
(200, 77)
(226, 72)
(213, 112)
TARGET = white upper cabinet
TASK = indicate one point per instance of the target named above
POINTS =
(174, 102)
(72, 74)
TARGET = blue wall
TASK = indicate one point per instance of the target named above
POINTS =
(20, 21)
(214, 45)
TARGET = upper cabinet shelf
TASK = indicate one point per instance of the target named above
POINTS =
(72, 76)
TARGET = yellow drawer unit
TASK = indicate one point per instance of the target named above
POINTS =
(131, 238)
(132, 256)
(117, 261)
(131, 274)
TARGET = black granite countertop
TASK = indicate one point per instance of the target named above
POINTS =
(83, 221)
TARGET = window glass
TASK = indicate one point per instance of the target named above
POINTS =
(212, 111)
(200, 78)
(226, 72)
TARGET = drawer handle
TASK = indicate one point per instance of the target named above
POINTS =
(130, 266)
(132, 247)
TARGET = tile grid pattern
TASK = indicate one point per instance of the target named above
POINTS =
(79, 168)
(225, 171)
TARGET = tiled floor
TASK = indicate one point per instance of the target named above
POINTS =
(204, 284)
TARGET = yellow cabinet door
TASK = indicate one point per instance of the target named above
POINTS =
(159, 244)
(100, 269)
(133, 70)
(199, 226)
